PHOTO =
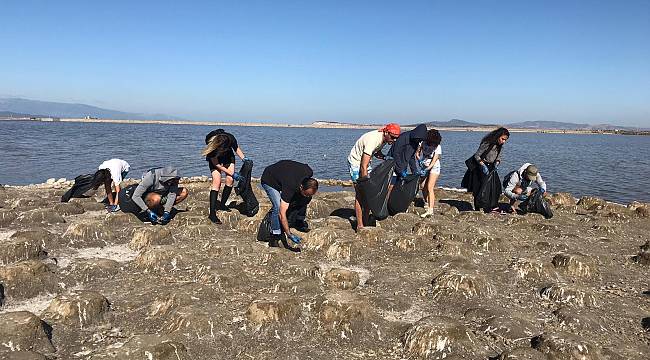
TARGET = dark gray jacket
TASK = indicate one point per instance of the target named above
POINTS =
(154, 181)
(403, 150)
(491, 156)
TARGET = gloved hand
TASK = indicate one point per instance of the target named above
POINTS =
(295, 238)
(403, 174)
(387, 157)
(424, 172)
(542, 190)
(152, 216)
(485, 169)
(165, 217)
(246, 159)
(236, 176)
(523, 197)
(112, 208)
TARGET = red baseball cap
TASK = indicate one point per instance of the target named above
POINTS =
(392, 128)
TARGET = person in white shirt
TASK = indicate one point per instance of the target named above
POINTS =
(428, 155)
(520, 183)
(367, 146)
(110, 174)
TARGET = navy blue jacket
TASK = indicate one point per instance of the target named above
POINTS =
(404, 148)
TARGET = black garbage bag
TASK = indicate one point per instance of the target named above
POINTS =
(489, 192)
(264, 230)
(403, 194)
(373, 190)
(536, 203)
(297, 211)
(250, 205)
(82, 184)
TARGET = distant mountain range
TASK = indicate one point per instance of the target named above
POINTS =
(65, 110)
(549, 125)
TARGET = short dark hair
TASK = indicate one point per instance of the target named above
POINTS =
(433, 137)
(309, 183)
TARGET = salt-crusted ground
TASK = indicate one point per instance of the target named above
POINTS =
(77, 283)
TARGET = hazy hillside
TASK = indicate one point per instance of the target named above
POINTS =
(65, 110)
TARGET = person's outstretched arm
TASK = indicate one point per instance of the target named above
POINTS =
(284, 222)
(240, 153)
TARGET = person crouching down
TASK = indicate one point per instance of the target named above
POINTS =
(155, 196)
(110, 174)
(288, 184)
(519, 184)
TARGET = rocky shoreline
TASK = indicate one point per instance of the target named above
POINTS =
(78, 283)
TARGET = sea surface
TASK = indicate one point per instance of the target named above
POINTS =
(614, 167)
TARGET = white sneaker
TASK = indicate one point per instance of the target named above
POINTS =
(427, 213)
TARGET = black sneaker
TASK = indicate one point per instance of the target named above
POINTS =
(274, 240)
(223, 207)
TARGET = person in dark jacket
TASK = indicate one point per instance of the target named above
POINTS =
(219, 152)
(288, 184)
(404, 148)
(487, 158)
(155, 196)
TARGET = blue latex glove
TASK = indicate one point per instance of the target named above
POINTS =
(112, 208)
(295, 238)
(403, 173)
(542, 190)
(424, 172)
(165, 217)
(246, 159)
(236, 176)
(523, 197)
(386, 157)
(152, 216)
(485, 169)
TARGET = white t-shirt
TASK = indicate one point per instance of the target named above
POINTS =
(428, 152)
(369, 143)
(116, 167)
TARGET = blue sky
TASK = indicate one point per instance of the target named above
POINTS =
(355, 61)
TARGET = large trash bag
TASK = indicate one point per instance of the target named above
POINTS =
(490, 191)
(373, 190)
(82, 184)
(537, 204)
(297, 211)
(264, 230)
(250, 205)
(403, 194)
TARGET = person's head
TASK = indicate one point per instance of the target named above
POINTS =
(101, 177)
(219, 142)
(308, 187)
(391, 132)
(433, 137)
(531, 172)
(497, 137)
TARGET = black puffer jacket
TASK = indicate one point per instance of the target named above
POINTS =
(403, 150)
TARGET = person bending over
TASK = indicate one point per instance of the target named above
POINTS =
(403, 150)
(219, 152)
(110, 174)
(521, 183)
(368, 145)
(288, 183)
(428, 155)
(155, 196)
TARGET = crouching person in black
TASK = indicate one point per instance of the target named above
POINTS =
(155, 196)
(290, 187)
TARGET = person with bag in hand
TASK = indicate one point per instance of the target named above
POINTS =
(368, 145)
(428, 155)
(485, 160)
(155, 196)
(220, 149)
(403, 151)
(519, 184)
(288, 183)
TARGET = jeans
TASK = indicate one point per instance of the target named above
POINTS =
(274, 196)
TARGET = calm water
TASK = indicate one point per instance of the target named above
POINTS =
(613, 167)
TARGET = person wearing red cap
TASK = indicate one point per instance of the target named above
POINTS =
(367, 146)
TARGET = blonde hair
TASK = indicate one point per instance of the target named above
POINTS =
(217, 142)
